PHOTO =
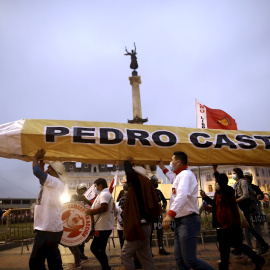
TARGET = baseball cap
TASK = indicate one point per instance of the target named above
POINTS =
(247, 174)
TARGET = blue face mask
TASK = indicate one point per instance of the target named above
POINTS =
(97, 191)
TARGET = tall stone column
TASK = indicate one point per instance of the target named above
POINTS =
(135, 82)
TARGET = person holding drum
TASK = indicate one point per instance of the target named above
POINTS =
(78, 250)
(81, 189)
(48, 223)
(102, 211)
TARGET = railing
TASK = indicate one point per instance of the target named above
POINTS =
(206, 223)
(17, 226)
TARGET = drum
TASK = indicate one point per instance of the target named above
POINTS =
(76, 224)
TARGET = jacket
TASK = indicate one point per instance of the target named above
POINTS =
(225, 209)
(144, 206)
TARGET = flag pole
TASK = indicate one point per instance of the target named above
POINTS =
(200, 177)
(196, 120)
(114, 192)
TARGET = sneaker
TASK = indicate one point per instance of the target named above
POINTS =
(75, 266)
(264, 249)
(162, 251)
(260, 264)
(83, 257)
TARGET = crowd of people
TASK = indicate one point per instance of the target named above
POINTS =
(139, 210)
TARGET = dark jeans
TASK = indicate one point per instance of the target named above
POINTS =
(76, 253)
(98, 248)
(46, 247)
(232, 237)
(81, 247)
(251, 229)
(185, 243)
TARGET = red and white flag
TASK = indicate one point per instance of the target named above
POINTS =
(114, 182)
(213, 118)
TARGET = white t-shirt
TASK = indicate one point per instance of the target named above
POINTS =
(48, 214)
(184, 194)
(105, 221)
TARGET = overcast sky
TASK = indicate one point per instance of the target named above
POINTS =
(65, 60)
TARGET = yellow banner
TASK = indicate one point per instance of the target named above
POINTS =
(108, 143)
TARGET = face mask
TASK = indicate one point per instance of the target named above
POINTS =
(171, 167)
(217, 187)
(155, 185)
(97, 191)
(234, 177)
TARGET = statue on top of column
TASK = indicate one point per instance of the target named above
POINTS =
(134, 64)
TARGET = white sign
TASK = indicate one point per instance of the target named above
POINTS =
(90, 193)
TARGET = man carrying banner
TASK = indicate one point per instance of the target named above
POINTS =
(48, 223)
(102, 210)
(184, 210)
(141, 208)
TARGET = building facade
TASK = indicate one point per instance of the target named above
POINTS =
(204, 174)
(87, 173)
(13, 203)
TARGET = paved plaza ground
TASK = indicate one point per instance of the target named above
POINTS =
(13, 259)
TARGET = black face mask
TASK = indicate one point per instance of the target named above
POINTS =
(155, 185)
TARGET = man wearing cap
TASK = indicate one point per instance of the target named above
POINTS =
(257, 191)
(141, 208)
(184, 210)
(48, 223)
(81, 189)
(78, 251)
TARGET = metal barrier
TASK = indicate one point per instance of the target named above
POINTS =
(208, 231)
(17, 226)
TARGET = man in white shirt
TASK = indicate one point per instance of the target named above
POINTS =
(184, 210)
(48, 223)
(102, 210)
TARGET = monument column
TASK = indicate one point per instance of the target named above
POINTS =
(135, 82)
